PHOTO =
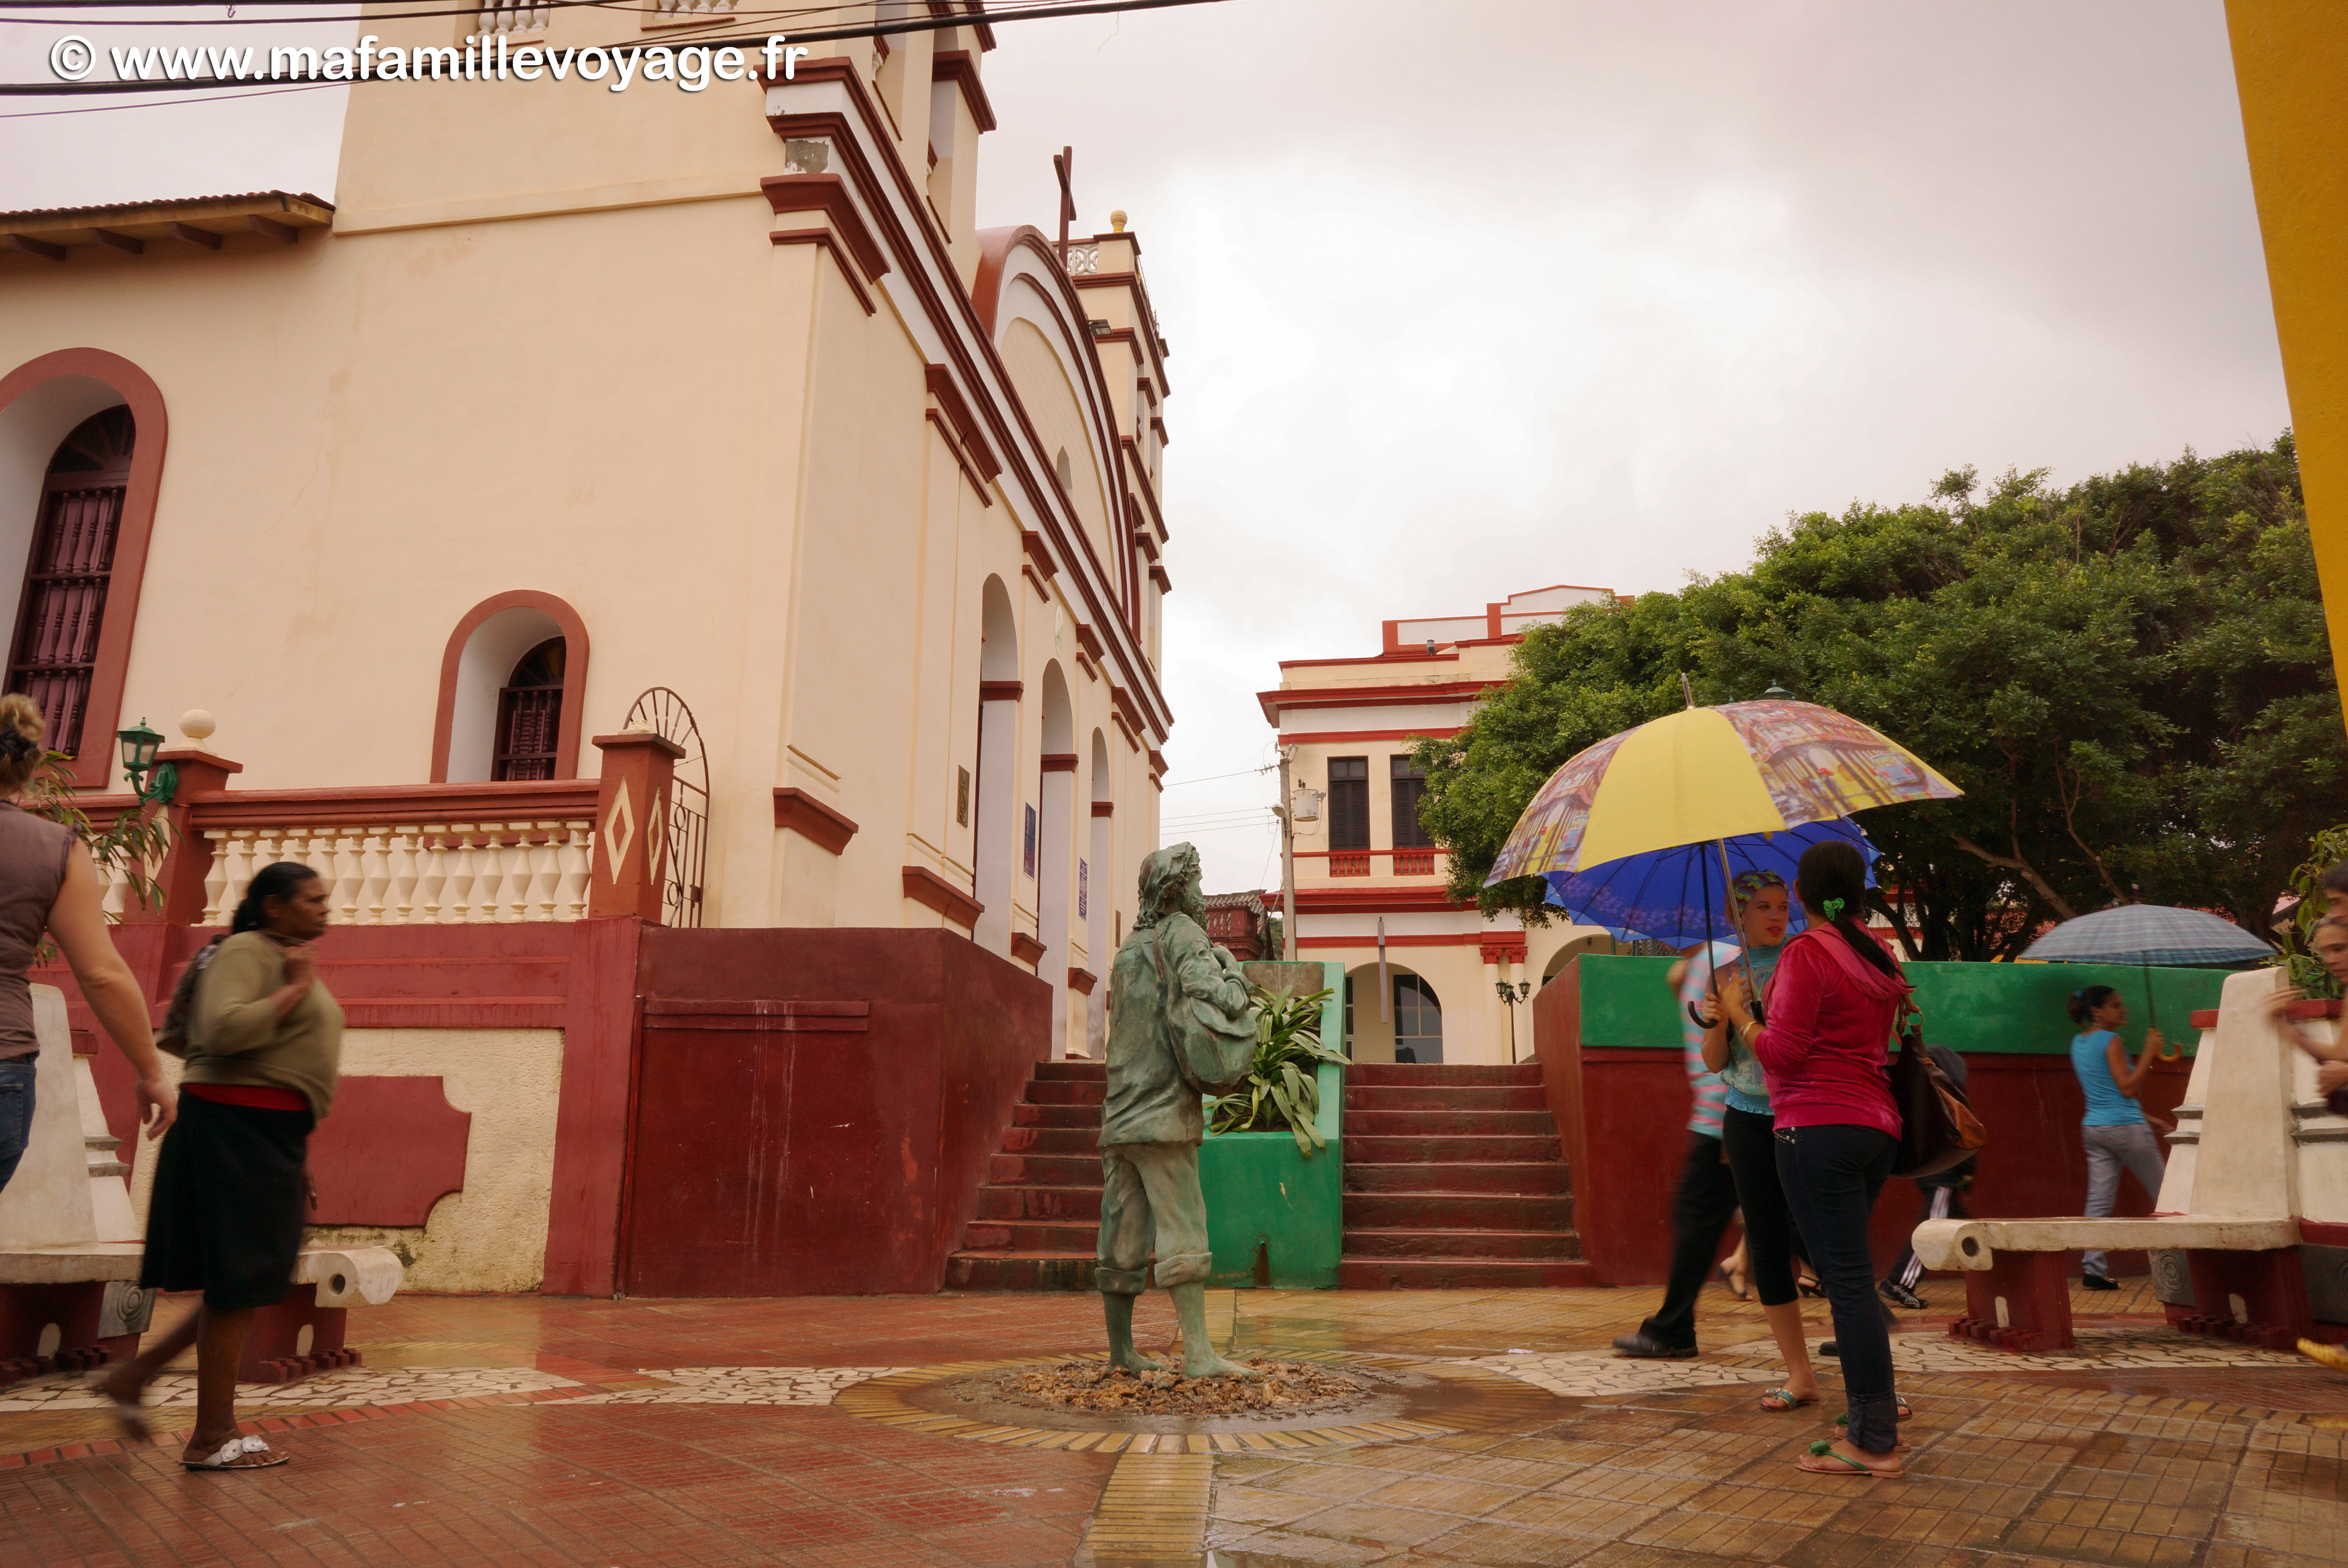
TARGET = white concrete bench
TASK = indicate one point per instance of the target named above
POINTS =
(2018, 1291)
(71, 1249)
(2256, 1187)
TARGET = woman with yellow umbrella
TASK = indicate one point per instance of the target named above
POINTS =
(1706, 775)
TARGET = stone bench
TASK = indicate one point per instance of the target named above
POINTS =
(78, 1306)
(2018, 1291)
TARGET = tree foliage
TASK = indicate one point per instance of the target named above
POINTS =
(2129, 678)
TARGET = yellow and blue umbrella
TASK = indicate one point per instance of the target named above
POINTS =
(1710, 773)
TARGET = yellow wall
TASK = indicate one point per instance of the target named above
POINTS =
(2290, 63)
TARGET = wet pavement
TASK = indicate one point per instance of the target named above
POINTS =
(508, 1430)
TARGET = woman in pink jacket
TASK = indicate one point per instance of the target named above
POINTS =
(1832, 1004)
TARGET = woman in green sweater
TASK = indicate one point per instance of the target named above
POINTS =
(264, 1046)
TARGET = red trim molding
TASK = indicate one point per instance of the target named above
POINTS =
(960, 67)
(1103, 808)
(967, 429)
(1504, 952)
(932, 891)
(828, 194)
(1377, 901)
(1344, 737)
(575, 676)
(376, 805)
(93, 766)
(2322, 1233)
(831, 244)
(1059, 762)
(1027, 948)
(1369, 943)
(1273, 700)
(1000, 691)
(812, 820)
(1082, 981)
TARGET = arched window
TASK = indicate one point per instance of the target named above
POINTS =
(1418, 1021)
(512, 692)
(54, 654)
(530, 715)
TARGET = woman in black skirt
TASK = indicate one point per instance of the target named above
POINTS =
(264, 1046)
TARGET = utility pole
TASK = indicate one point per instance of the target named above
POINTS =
(1287, 810)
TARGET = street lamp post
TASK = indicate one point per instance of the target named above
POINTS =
(1510, 995)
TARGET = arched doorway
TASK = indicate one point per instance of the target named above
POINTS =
(1598, 942)
(1096, 895)
(1408, 1029)
(994, 808)
(1055, 859)
(69, 568)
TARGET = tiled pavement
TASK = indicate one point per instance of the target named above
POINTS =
(530, 1431)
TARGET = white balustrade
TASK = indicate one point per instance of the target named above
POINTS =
(410, 874)
(512, 19)
(1083, 260)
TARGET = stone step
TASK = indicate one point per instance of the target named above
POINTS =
(1437, 1097)
(1056, 1116)
(1006, 1202)
(1461, 1274)
(1019, 1271)
(1066, 1090)
(1074, 1238)
(1381, 1073)
(1043, 1170)
(1459, 1211)
(1411, 1244)
(1075, 1072)
(1056, 1141)
(1454, 1177)
(1421, 1124)
(1383, 1149)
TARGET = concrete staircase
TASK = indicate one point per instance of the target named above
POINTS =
(1038, 1217)
(1453, 1178)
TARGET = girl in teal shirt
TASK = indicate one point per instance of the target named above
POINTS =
(2114, 1130)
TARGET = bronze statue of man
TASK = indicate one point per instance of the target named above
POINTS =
(1180, 1024)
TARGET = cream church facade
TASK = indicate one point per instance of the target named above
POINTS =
(577, 410)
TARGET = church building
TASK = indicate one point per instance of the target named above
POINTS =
(656, 506)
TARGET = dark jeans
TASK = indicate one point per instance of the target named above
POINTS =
(15, 1113)
(1700, 1212)
(1771, 1240)
(1831, 1176)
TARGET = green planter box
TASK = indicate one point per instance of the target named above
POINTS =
(2010, 1009)
(1264, 1198)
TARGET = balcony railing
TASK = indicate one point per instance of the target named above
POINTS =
(1419, 862)
(465, 854)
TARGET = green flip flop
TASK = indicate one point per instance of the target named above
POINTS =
(1784, 1400)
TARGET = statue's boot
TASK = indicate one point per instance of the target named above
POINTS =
(1199, 1357)
(1118, 1310)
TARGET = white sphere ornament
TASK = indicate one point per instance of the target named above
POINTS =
(196, 723)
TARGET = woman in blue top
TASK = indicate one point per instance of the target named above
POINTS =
(1747, 1134)
(2115, 1130)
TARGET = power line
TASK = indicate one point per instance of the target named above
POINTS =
(1035, 10)
(1244, 773)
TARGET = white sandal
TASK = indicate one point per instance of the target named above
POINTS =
(239, 1453)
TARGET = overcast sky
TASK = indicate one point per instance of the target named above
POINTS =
(1479, 296)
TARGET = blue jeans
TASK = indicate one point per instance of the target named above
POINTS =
(15, 1113)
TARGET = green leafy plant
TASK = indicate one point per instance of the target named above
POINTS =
(1280, 1092)
(131, 845)
(2328, 849)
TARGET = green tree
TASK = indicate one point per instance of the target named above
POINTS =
(2129, 678)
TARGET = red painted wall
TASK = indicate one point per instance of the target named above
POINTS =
(775, 1156)
(1622, 1115)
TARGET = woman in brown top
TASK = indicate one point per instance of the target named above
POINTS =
(48, 884)
(263, 1049)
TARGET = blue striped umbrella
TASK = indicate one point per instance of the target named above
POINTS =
(2149, 934)
(1677, 894)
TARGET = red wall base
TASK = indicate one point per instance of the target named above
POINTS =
(26, 1311)
(1622, 1113)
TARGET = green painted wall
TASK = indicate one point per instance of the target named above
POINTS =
(1261, 1191)
(2017, 1009)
